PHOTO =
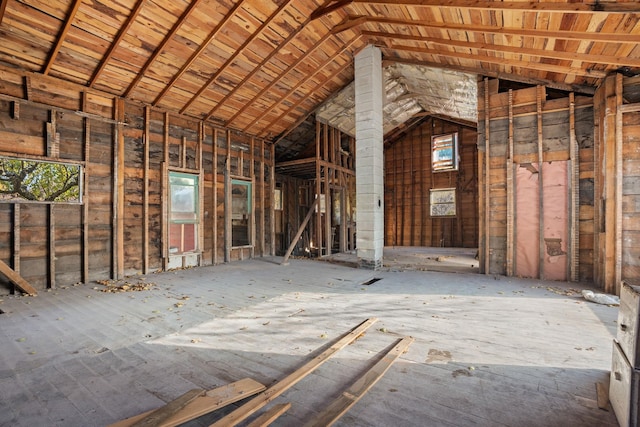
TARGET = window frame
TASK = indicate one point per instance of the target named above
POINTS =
(195, 221)
(249, 186)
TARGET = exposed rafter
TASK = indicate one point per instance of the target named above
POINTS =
(315, 89)
(355, 21)
(293, 34)
(198, 52)
(63, 34)
(3, 7)
(524, 6)
(235, 54)
(161, 47)
(273, 82)
(551, 68)
(518, 50)
(116, 42)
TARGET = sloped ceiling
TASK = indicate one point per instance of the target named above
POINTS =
(263, 66)
(410, 90)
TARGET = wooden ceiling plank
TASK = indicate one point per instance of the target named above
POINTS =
(280, 77)
(523, 6)
(116, 42)
(354, 21)
(490, 47)
(61, 37)
(161, 47)
(233, 57)
(198, 52)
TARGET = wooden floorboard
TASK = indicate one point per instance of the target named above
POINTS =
(488, 350)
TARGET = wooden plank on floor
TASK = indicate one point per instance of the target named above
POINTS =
(212, 400)
(161, 414)
(353, 394)
(16, 279)
(602, 393)
(271, 415)
(262, 399)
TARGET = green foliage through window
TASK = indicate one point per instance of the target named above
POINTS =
(39, 181)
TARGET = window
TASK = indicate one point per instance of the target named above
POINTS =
(277, 199)
(444, 152)
(241, 213)
(184, 216)
(39, 181)
(443, 202)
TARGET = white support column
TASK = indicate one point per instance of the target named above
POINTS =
(369, 158)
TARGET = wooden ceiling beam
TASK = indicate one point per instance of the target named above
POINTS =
(331, 7)
(198, 52)
(3, 7)
(61, 37)
(356, 21)
(490, 47)
(524, 6)
(308, 77)
(550, 68)
(233, 57)
(161, 47)
(587, 90)
(116, 42)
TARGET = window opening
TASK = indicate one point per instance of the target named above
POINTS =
(241, 213)
(184, 217)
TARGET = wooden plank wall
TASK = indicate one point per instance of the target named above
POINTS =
(630, 189)
(408, 179)
(126, 150)
(617, 183)
(524, 126)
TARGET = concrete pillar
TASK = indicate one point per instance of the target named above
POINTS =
(369, 158)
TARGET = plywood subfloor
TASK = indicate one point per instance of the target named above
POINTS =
(488, 351)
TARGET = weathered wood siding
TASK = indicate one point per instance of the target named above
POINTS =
(523, 127)
(408, 179)
(617, 183)
(119, 229)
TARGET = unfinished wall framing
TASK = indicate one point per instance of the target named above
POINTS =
(409, 179)
(536, 170)
(328, 176)
(127, 152)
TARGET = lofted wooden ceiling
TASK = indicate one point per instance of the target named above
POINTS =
(263, 66)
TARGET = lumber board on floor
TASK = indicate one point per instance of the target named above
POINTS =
(354, 393)
(283, 385)
(271, 415)
(16, 279)
(213, 399)
(163, 413)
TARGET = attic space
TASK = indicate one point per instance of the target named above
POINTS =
(204, 206)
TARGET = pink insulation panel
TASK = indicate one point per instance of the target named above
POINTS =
(555, 218)
(527, 224)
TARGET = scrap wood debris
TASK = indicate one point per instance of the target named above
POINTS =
(116, 286)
